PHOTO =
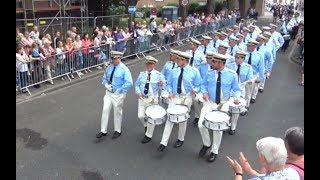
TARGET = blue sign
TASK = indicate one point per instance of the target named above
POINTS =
(132, 9)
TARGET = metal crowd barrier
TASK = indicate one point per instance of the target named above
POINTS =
(68, 64)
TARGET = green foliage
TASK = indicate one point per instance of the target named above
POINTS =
(192, 7)
(218, 6)
(117, 10)
(173, 4)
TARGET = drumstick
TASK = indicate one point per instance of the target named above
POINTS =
(251, 80)
(143, 100)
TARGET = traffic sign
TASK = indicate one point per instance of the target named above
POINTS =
(184, 3)
(132, 9)
(153, 11)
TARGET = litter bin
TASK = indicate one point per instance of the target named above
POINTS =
(170, 12)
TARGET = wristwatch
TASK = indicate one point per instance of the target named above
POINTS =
(240, 174)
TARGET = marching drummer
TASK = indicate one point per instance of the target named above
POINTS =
(256, 60)
(147, 88)
(233, 45)
(197, 57)
(223, 47)
(117, 79)
(168, 67)
(216, 88)
(182, 84)
(245, 74)
(276, 36)
(215, 39)
(241, 44)
(266, 48)
(206, 47)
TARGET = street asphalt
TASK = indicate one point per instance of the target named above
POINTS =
(55, 133)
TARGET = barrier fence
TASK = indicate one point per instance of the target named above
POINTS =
(66, 65)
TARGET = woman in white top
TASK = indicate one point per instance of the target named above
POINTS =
(21, 64)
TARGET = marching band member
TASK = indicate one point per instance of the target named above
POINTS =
(147, 88)
(206, 47)
(241, 44)
(245, 32)
(223, 37)
(215, 39)
(223, 47)
(245, 74)
(216, 88)
(197, 57)
(235, 30)
(233, 46)
(276, 36)
(269, 50)
(168, 67)
(197, 54)
(182, 83)
(117, 79)
(256, 60)
(252, 33)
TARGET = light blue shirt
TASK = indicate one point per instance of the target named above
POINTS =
(229, 84)
(268, 57)
(198, 57)
(122, 79)
(155, 77)
(230, 59)
(257, 63)
(276, 36)
(190, 76)
(167, 68)
(246, 71)
(217, 43)
(253, 36)
(209, 48)
(272, 48)
(235, 48)
(242, 45)
(204, 68)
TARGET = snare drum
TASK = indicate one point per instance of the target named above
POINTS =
(155, 114)
(177, 113)
(165, 96)
(216, 120)
(237, 108)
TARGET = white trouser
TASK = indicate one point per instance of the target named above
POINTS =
(243, 90)
(217, 135)
(182, 126)
(234, 121)
(249, 89)
(197, 105)
(255, 87)
(261, 84)
(116, 101)
(142, 105)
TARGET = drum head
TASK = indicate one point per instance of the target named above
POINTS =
(177, 109)
(217, 116)
(155, 111)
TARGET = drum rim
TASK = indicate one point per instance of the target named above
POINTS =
(217, 111)
(163, 110)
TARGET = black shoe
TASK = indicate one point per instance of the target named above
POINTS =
(145, 129)
(203, 150)
(195, 121)
(146, 139)
(212, 157)
(116, 134)
(243, 113)
(101, 134)
(260, 90)
(232, 132)
(252, 100)
(178, 144)
(161, 147)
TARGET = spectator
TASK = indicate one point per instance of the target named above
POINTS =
(294, 141)
(61, 60)
(86, 45)
(272, 155)
(36, 67)
(69, 56)
(49, 63)
(34, 34)
(27, 42)
(56, 39)
(78, 52)
(19, 37)
(21, 63)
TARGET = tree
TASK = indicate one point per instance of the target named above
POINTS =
(209, 7)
